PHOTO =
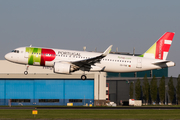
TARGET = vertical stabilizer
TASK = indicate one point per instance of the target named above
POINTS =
(160, 49)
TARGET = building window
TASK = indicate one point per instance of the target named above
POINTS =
(20, 100)
(49, 100)
(75, 100)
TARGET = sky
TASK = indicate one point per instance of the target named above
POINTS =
(72, 24)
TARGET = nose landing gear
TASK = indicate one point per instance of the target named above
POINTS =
(26, 72)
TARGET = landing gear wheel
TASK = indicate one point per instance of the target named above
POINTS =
(83, 77)
(25, 72)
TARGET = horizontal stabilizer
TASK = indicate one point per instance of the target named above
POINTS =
(164, 63)
(161, 62)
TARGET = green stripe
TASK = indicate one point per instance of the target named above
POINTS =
(34, 57)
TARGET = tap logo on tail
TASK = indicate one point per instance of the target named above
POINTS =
(160, 49)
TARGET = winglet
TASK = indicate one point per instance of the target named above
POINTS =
(107, 51)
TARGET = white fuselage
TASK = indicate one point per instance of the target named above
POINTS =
(110, 63)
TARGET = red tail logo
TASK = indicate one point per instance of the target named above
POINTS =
(163, 45)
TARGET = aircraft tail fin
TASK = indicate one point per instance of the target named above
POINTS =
(160, 49)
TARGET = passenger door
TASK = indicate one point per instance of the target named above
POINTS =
(139, 63)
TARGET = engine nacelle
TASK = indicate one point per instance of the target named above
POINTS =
(61, 67)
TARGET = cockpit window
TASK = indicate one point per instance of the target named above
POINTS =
(15, 51)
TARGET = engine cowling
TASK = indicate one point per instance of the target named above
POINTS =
(61, 67)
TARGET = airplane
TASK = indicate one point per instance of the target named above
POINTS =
(68, 61)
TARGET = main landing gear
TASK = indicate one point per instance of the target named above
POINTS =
(83, 77)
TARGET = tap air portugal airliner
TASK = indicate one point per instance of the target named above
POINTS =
(68, 61)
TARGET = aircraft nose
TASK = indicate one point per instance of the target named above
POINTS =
(7, 56)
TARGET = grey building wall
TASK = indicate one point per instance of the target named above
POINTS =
(119, 89)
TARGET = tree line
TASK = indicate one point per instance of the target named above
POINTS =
(150, 91)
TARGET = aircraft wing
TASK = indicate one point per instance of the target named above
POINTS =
(91, 61)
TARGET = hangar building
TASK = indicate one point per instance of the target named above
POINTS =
(42, 87)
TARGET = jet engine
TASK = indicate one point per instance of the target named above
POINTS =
(61, 67)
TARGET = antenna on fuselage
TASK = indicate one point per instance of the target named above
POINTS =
(30, 46)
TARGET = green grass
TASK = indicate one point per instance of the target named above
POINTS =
(91, 114)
